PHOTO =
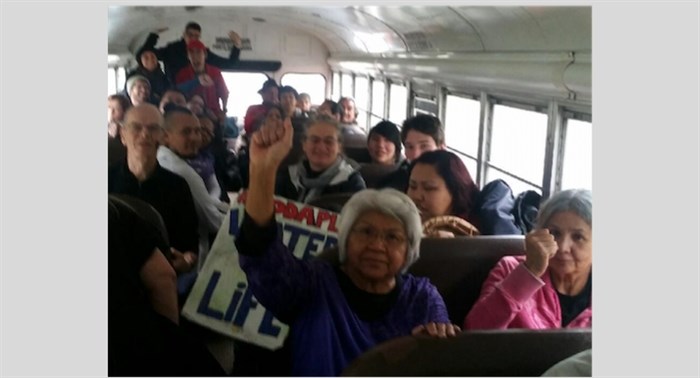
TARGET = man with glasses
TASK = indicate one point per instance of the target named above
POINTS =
(181, 140)
(174, 54)
(142, 177)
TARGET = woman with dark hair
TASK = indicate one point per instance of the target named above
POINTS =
(440, 184)
(384, 143)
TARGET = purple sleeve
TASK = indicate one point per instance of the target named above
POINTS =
(280, 282)
(437, 311)
(507, 288)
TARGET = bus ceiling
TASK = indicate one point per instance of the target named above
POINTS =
(543, 50)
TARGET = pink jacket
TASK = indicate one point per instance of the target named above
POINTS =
(512, 297)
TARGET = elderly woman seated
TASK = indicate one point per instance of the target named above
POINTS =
(337, 312)
(323, 170)
(549, 287)
(440, 185)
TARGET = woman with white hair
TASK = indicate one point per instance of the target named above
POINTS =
(549, 287)
(139, 90)
(337, 312)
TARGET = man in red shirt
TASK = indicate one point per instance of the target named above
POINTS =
(202, 79)
(255, 113)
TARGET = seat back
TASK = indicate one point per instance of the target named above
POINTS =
(373, 173)
(145, 211)
(332, 202)
(458, 266)
(510, 353)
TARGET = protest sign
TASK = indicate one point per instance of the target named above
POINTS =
(221, 299)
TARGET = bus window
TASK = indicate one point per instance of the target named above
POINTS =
(335, 92)
(111, 81)
(311, 83)
(462, 125)
(377, 102)
(115, 80)
(362, 100)
(243, 88)
(398, 96)
(518, 144)
(346, 86)
(121, 79)
(578, 155)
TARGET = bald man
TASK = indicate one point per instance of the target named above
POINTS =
(142, 177)
(182, 140)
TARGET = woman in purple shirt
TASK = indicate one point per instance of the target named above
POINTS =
(337, 312)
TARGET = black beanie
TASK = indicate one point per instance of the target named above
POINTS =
(391, 132)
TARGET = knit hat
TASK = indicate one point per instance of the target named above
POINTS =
(142, 50)
(389, 131)
(132, 80)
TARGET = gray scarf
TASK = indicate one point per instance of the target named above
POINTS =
(311, 188)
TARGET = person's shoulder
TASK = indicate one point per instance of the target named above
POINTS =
(171, 178)
(213, 70)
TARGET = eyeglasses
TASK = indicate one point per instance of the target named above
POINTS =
(391, 239)
(137, 128)
(329, 142)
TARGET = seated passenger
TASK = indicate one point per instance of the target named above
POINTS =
(203, 162)
(330, 108)
(324, 170)
(144, 338)
(288, 102)
(181, 140)
(337, 313)
(440, 184)
(172, 96)
(384, 143)
(419, 134)
(139, 90)
(255, 113)
(149, 68)
(353, 134)
(549, 287)
(117, 105)
(139, 175)
(304, 104)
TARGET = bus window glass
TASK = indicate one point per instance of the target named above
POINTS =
(578, 155)
(462, 125)
(243, 92)
(346, 86)
(361, 99)
(111, 82)
(377, 102)
(336, 86)
(518, 142)
(121, 79)
(313, 84)
(398, 96)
